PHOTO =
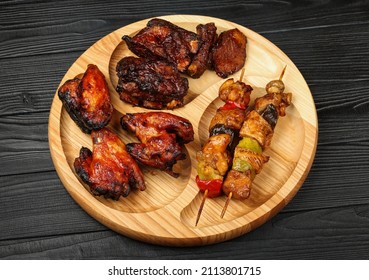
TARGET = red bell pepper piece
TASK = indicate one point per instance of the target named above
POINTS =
(214, 187)
(230, 105)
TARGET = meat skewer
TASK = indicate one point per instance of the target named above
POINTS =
(214, 160)
(256, 132)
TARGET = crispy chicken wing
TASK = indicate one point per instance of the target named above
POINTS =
(87, 100)
(163, 39)
(202, 59)
(153, 84)
(109, 169)
(162, 136)
(229, 52)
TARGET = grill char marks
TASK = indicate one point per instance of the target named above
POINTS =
(150, 83)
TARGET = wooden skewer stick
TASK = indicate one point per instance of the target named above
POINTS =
(201, 206)
(284, 70)
(230, 194)
(226, 204)
(242, 73)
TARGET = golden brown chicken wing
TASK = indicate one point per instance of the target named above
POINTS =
(162, 136)
(109, 169)
(87, 100)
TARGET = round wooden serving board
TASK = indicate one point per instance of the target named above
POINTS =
(165, 213)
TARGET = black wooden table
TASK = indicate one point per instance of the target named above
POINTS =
(327, 40)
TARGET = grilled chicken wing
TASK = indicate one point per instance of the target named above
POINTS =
(109, 169)
(149, 83)
(202, 59)
(162, 136)
(229, 52)
(87, 100)
(162, 39)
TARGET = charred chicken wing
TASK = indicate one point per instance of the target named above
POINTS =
(109, 169)
(154, 84)
(162, 39)
(87, 100)
(229, 52)
(162, 136)
(202, 60)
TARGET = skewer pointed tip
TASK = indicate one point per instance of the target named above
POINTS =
(201, 207)
(226, 205)
(284, 70)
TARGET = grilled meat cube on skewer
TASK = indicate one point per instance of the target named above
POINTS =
(108, 169)
(162, 137)
(235, 93)
(87, 100)
(149, 83)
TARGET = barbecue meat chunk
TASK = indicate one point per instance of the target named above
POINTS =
(237, 92)
(154, 84)
(256, 127)
(230, 118)
(109, 169)
(229, 52)
(87, 100)
(202, 59)
(165, 40)
(239, 183)
(162, 137)
(214, 159)
(279, 100)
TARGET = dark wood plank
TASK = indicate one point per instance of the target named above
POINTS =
(339, 233)
(38, 205)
